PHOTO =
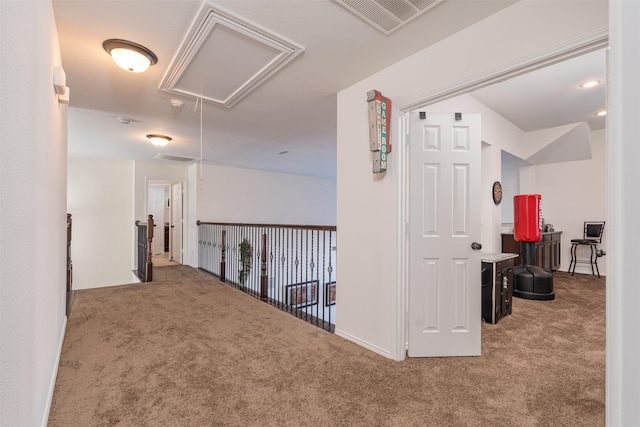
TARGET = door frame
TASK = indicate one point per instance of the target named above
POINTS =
(185, 208)
(159, 223)
(587, 43)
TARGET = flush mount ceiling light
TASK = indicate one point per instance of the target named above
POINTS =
(159, 140)
(130, 56)
(590, 83)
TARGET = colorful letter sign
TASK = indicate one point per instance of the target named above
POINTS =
(379, 129)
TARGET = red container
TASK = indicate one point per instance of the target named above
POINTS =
(527, 214)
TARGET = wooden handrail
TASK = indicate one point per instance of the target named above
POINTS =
(293, 226)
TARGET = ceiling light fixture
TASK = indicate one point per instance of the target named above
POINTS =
(601, 113)
(130, 56)
(590, 83)
(159, 140)
(176, 103)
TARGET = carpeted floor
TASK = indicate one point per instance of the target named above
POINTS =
(188, 350)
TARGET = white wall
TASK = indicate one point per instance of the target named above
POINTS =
(574, 192)
(100, 196)
(623, 292)
(371, 308)
(33, 163)
(511, 187)
(250, 196)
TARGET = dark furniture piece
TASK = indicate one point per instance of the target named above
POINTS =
(531, 281)
(497, 286)
(547, 250)
(592, 237)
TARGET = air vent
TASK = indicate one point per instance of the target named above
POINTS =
(388, 15)
(173, 158)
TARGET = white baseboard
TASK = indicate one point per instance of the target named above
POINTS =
(52, 385)
(368, 346)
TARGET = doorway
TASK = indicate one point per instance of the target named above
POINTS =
(165, 203)
(445, 97)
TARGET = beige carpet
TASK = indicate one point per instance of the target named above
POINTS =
(187, 350)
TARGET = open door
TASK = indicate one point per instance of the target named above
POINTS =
(444, 227)
(176, 222)
(155, 206)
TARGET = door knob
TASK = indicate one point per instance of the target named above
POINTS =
(476, 246)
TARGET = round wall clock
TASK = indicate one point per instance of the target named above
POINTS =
(497, 192)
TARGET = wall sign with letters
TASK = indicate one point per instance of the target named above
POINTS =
(379, 129)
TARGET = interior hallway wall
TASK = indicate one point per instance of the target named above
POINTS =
(623, 292)
(101, 204)
(33, 185)
(250, 196)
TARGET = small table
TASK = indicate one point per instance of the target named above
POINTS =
(497, 285)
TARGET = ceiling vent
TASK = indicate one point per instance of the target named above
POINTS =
(388, 15)
(173, 158)
(223, 59)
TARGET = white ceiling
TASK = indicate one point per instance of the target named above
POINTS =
(551, 96)
(293, 110)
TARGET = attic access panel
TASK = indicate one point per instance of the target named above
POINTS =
(223, 59)
(388, 15)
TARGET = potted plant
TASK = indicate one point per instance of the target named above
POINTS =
(246, 257)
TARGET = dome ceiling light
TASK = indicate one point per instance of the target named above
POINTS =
(159, 140)
(590, 83)
(130, 56)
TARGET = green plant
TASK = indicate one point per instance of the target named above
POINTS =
(246, 257)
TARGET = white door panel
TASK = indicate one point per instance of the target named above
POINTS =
(176, 222)
(155, 207)
(444, 220)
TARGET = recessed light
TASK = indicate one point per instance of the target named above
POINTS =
(590, 83)
(283, 152)
(601, 113)
(125, 120)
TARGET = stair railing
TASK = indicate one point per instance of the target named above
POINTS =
(144, 270)
(291, 267)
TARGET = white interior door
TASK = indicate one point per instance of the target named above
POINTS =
(155, 207)
(444, 221)
(176, 222)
